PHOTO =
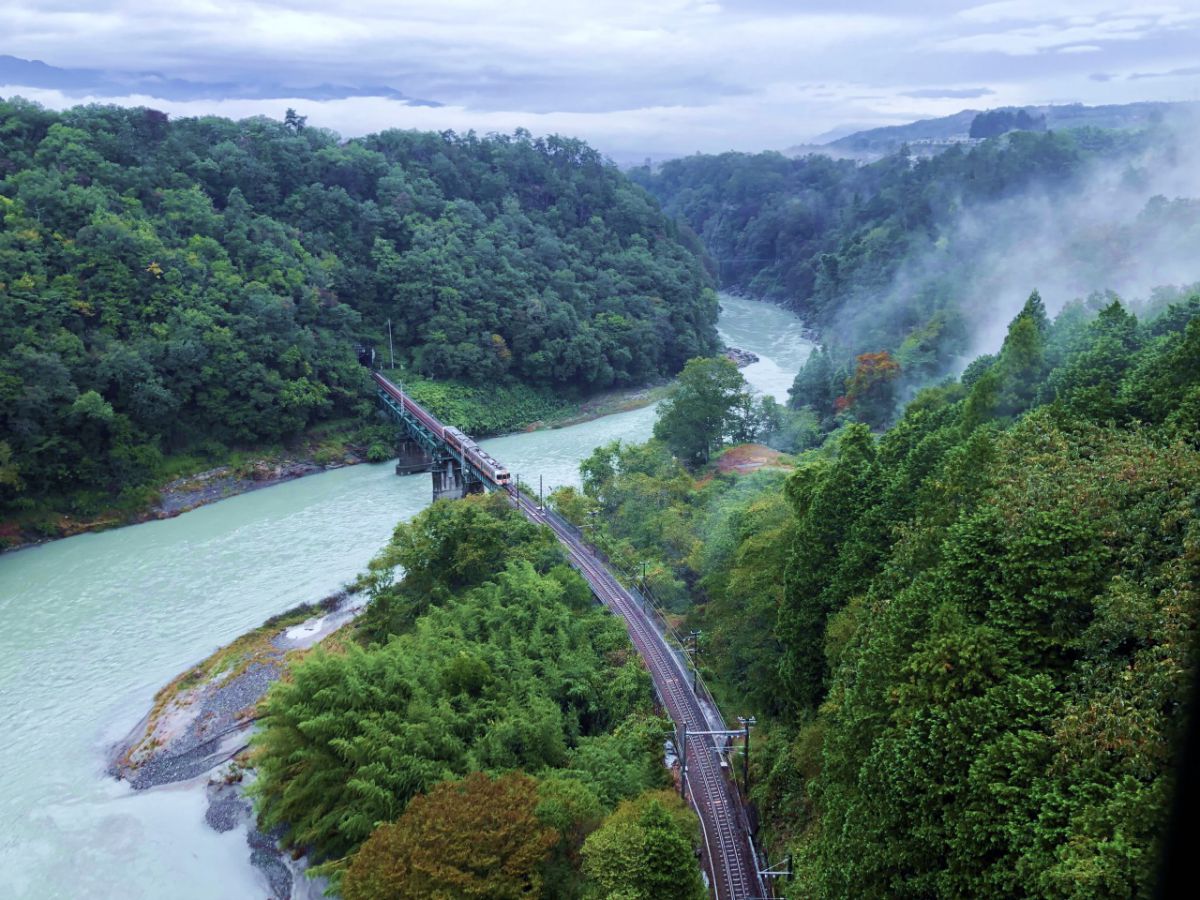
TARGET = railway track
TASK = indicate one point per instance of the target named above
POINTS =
(729, 856)
(732, 868)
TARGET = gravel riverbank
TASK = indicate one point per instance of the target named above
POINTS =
(203, 721)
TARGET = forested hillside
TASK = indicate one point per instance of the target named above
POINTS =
(200, 283)
(919, 263)
(970, 641)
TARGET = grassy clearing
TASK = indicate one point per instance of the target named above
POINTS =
(492, 410)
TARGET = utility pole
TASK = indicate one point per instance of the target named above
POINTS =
(391, 349)
(778, 870)
(694, 635)
(541, 502)
(746, 723)
(683, 765)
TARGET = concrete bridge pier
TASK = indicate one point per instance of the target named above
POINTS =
(450, 483)
(413, 458)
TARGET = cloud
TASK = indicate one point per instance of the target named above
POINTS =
(691, 74)
(1068, 26)
(626, 135)
(959, 93)
(1075, 12)
(1186, 72)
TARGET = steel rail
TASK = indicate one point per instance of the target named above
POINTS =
(732, 866)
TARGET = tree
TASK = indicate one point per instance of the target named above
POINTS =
(294, 122)
(10, 474)
(831, 502)
(479, 837)
(515, 668)
(644, 851)
(982, 619)
(817, 386)
(1021, 367)
(871, 390)
(208, 280)
(709, 405)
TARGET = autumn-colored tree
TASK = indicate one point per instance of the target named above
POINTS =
(870, 391)
(478, 837)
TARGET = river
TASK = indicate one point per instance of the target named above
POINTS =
(93, 625)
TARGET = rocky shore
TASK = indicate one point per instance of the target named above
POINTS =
(741, 358)
(184, 494)
(201, 723)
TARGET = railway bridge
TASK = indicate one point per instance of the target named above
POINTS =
(460, 466)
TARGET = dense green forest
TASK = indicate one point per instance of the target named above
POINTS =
(904, 261)
(190, 285)
(969, 641)
(486, 731)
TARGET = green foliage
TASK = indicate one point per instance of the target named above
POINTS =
(877, 257)
(165, 284)
(448, 547)
(1002, 721)
(710, 405)
(499, 662)
(995, 122)
(831, 539)
(969, 639)
(481, 410)
(644, 851)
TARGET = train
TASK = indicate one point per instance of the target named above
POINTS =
(482, 460)
(470, 451)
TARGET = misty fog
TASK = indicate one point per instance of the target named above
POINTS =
(1128, 227)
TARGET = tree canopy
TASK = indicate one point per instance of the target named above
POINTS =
(478, 837)
(191, 285)
(969, 640)
(371, 755)
(896, 262)
(643, 851)
(710, 404)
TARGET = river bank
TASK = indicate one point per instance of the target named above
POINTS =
(256, 468)
(197, 733)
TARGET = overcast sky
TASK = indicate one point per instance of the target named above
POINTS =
(632, 76)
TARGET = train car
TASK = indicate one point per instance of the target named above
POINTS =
(457, 439)
(493, 470)
(488, 464)
(454, 437)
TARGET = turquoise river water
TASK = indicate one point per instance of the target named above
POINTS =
(92, 626)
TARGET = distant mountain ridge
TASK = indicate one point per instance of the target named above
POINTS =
(17, 72)
(947, 130)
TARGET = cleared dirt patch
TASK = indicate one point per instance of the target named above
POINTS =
(749, 458)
